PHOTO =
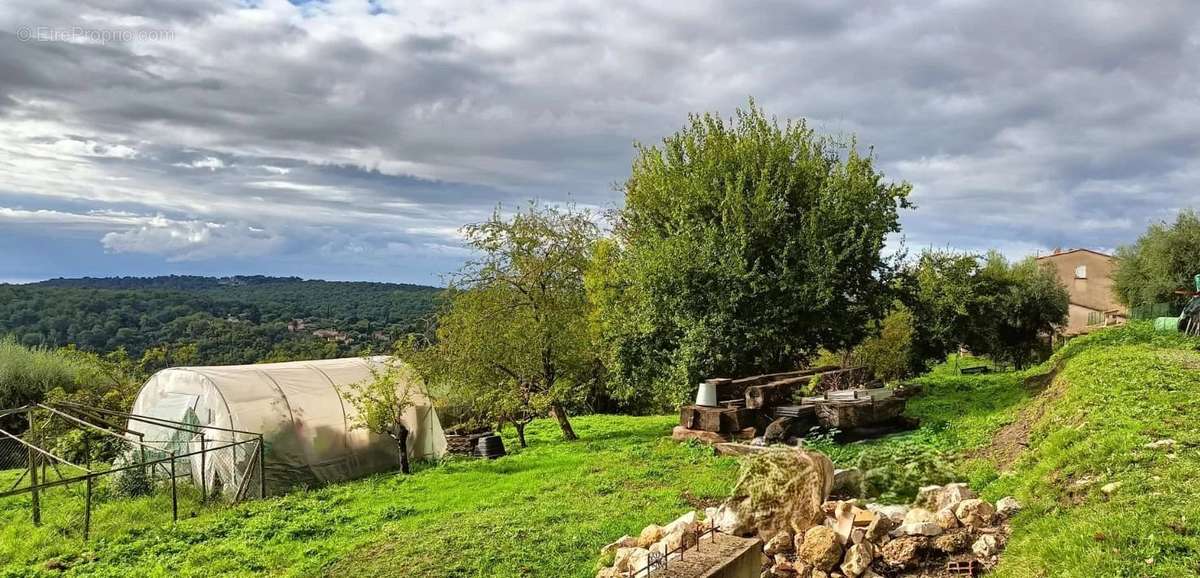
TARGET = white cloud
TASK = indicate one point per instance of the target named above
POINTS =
(191, 240)
(210, 163)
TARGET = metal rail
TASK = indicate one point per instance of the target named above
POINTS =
(94, 426)
(657, 562)
(161, 421)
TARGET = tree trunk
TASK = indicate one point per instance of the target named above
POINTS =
(560, 414)
(520, 432)
(400, 434)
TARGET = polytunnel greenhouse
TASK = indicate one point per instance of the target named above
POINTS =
(299, 408)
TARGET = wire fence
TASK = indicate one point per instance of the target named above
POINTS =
(1154, 310)
(76, 468)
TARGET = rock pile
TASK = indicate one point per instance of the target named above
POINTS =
(868, 541)
(655, 545)
(781, 497)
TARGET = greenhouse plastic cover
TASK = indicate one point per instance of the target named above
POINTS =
(302, 412)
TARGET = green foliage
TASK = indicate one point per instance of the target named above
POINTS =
(940, 290)
(381, 401)
(1165, 258)
(225, 321)
(888, 354)
(742, 247)
(894, 473)
(34, 375)
(511, 341)
(1019, 310)
(133, 483)
(26, 374)
(1006, 311)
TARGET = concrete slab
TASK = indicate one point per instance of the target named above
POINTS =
(725, 557)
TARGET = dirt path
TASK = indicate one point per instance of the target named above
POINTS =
(1012, 440)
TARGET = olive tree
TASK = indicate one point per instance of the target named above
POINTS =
(511, 339)
(743, 246)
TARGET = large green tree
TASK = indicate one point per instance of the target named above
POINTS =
(1018, 309)
(511, 340)
(1164, 260)
(743, 246)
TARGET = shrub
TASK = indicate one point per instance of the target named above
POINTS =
(887, 355)
(896, 472)
(133, 482)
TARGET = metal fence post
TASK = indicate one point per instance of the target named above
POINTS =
(203, 474)
(33, 477)
(174, 492)
(87, 508)
(262, 474)
(33, 487)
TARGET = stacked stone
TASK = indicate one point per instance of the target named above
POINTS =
(946, 522)
(631, 555)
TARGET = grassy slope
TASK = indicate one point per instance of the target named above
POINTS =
(1114, 400)
(543, 512)
(1117, 391)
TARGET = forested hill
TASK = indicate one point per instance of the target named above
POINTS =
(209, 320)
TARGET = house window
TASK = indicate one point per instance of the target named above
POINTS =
(1081, 272)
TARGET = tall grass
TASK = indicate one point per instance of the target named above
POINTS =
(27, 374)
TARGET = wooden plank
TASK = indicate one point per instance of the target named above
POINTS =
(794, 410)
(737, 419)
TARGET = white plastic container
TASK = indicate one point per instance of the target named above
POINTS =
(707, 394)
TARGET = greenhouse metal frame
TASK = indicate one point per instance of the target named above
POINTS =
(160, 461)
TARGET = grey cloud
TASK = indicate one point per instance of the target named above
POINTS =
(1017, 122)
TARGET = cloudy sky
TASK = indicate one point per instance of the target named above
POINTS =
(350, 139)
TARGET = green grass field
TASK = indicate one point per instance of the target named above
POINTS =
(546, 510)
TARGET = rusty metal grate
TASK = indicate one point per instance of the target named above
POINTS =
(963, 568)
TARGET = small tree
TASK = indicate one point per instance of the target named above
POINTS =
(940, 290)
(381, 401)
(511, 340)
(1020, 307)
(1164, 260)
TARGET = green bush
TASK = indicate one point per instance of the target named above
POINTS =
(887, 355)
(895, 473)
(27, 374)
(133, 482)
